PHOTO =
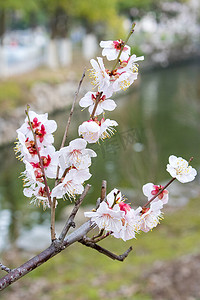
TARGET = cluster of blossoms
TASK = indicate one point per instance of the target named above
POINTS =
(107, 83)
(120, 220)
(70, 165)
(36, 135)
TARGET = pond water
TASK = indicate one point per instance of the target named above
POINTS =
(160, 116)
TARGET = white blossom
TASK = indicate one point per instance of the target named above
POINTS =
(150, 190)
(89, 101)
(111, 49)
(42, 127)
(179, 168)
(107, 218)
(100, 76)
(76, 155)
(130, 226)
(71, 184)
(150, 217)
(90, 131)
(38, 195)
(106, 128)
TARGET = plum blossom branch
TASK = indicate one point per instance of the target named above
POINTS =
(45, 255)
(70, 221)
(179, 169)
(112, 215)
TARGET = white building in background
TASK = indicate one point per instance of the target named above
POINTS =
(59, 53)
(89, 46)
(23, 50)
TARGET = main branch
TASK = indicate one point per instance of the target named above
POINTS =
(44, 256)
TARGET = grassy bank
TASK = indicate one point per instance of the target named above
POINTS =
(80, 273)
(16, 91)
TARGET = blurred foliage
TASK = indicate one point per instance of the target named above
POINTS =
(59, 16)
(136, 8)
(23, 5)
(125, 6)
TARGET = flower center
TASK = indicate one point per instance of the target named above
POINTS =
(118, 44)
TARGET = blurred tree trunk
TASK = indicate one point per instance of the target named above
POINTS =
(2, 24)
(59, 47)
(59, 24)
(2, 32)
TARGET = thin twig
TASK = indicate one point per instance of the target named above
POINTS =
(105, 251)
(98, 235)
(161, 190)
(70, 116)
(72, 110)
(102, 237)
(70, 221)
(103, 190)
(53, 212)
(53, 206)
(122, 47)
(40, 160)
(98, 98)
(4, 268)
(97, 238)
(103, 194)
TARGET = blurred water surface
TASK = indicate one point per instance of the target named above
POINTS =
(159, 117)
